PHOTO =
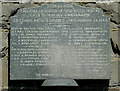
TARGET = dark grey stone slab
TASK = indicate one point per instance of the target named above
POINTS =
(60, 40)
(119, 72)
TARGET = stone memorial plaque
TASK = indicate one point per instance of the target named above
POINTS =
(60, 40)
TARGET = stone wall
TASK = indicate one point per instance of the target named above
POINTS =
(109, 9)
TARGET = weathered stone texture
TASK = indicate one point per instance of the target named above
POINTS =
(111, 9)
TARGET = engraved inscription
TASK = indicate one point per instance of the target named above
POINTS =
(59, 40)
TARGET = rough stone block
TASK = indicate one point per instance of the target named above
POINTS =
(4, 74)
(114, 72)
(0, 74)
(114, 89)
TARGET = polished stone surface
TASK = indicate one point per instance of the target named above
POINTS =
(59, 82)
